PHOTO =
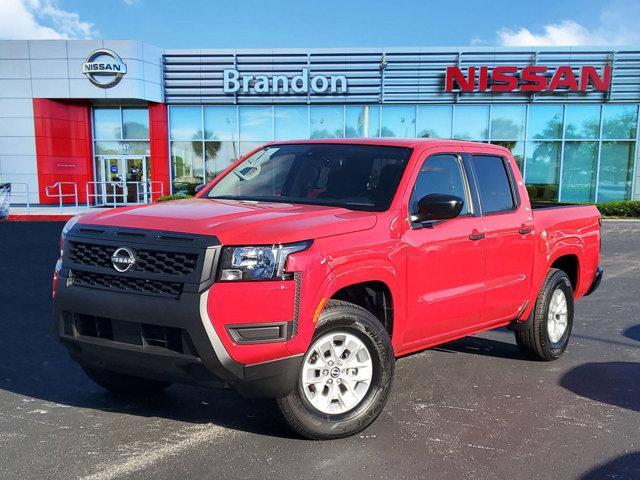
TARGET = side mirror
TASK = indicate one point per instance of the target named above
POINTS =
(199, 187)
(437, 206)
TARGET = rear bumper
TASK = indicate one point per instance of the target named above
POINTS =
(596, 281)
(159, 338)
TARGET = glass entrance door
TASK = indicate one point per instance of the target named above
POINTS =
(122, 180)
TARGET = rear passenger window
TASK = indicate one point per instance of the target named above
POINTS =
(494, 185)
(440, 174)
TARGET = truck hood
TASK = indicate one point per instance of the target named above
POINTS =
(237, 222)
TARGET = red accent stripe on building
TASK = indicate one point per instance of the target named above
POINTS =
(63, 146)
(159, 146)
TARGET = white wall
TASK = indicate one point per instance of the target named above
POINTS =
(52, 69)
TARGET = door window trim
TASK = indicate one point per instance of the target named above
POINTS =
(470, 196)
(515, 196)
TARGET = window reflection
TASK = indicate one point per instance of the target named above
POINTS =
(545, 122)
(256, 123)
(578, 172)
(326, 121)
(398, 121)
(135, 123)
(218, 156)
(619, 121)
(616, 171)
(516, 148)
(582, 121)
(471, 122)
(362, 121)
(291, 122)
(434, 121)
(107, 124)
(220, 123)
(185, 123)
(507, 122)
(543, 170)
(187, 166)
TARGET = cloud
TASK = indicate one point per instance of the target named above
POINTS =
(40, 19)
(617, 25)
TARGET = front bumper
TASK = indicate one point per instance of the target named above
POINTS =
(597, 278)
(131, 345)
(166, 337)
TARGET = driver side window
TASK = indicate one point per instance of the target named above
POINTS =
(440, 174)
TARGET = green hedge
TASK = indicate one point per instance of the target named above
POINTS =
(626, 208)
(177, 196)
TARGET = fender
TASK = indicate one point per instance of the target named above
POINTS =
(559, 249)
(374, 269)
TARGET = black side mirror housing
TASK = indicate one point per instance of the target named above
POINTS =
(437, 206)
(199, 187)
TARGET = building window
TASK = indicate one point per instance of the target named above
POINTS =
(398, 121)
(579, 172)
(616, 171)
(582, 122)
(362, 121)
(135, 123)
(545, 122)
(434, 121)
(471, 122)
(619, 121)
(291, 122)
(543, 170)
(565, 152)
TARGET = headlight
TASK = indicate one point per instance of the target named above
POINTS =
(67, 227)
(257, 263)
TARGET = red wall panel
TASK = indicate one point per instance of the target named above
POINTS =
(159, 147)
(63, 146)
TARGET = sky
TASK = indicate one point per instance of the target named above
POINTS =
(327, 23)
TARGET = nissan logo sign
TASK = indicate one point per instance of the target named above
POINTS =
(123, 259)
(104, 68)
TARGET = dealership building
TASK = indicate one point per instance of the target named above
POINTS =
(109, 122)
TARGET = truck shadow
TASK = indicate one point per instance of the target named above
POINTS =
(632, 332)
(615, 383)
(624, 467)
(34, 364)
(482, 346)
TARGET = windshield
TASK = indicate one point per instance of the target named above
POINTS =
(359, 177)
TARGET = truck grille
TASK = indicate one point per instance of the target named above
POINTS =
(132, 333)
(127, 284)
(151, 261)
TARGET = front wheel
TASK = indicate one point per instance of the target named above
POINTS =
(345, 377)
(547, 335)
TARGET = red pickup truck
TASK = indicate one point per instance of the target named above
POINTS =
(305, 269)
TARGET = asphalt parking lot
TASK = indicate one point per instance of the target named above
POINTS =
(474, 408)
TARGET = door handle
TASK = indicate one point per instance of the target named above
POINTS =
(476, 235)
(524, 230)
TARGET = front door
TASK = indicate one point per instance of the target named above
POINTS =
(445, 260)
(122, 180)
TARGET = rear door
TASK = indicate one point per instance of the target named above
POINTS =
(508, 225)
(445, 260)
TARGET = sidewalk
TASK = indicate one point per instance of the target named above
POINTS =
(48, 213)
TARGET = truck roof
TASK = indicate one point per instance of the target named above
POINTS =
(388, 141)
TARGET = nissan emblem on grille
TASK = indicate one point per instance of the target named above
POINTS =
(123, 259)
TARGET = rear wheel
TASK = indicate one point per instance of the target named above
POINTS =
(547, 335)
(345, 377)
(123, 384)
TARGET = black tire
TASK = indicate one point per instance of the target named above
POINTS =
(534, 342)
(123, 384)
(309, 422)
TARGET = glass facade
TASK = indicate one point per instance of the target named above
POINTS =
(569, 153)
